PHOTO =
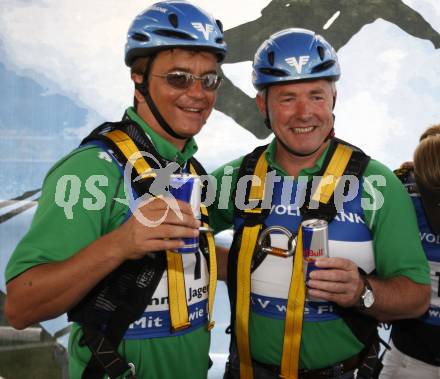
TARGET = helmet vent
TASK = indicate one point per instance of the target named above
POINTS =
(173, 34)
(173, 20)
(271, 57)
(272, 72)
(220, 25)
(140, 37)
(219, 40)
(321, 52)
(323, 66)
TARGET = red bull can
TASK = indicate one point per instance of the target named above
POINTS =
(188, 188)
(315, 245)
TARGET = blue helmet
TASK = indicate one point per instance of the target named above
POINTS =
(171, 24)
(292, 55)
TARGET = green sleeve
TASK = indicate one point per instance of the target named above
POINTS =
(221, 211)
(89, 183)
(392, 220)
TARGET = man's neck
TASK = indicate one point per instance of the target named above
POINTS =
(294, 164)
(144, 112)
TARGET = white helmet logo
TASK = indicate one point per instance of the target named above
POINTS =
(298, 64)
(208, 28)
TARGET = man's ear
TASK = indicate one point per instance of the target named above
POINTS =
(138, 81)
(137, 78)
(261, 102)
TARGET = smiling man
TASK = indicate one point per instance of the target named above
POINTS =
(375, 268)
(139, 309)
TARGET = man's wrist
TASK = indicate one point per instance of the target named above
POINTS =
(366, 299)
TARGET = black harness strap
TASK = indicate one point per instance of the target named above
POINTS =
(104, 355)
(130, 287)
(134, 289)
(247, 169)
(125, 293)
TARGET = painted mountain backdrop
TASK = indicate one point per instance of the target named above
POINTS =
(62, 74)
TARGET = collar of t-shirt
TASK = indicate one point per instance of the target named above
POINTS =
(165, 148)
(271, 160)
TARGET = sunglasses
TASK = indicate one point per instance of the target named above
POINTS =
(184, 80)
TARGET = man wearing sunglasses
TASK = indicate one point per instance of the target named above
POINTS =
(372, 268)
(116, 275)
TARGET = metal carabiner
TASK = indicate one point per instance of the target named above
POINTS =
(275, 250)
(132, 373)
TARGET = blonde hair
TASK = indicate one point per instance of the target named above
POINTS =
(427, 158)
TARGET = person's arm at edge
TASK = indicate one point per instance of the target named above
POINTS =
(390, 305)
(405, 293)
(48, 290)
(45, 279)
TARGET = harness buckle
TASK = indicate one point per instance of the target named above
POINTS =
(131, 373)
(338, 370)
(252, 210)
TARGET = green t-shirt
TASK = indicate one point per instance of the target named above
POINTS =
(395, 250)
(91, 183)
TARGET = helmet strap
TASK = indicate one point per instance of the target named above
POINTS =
(143, 89)
(267, 119)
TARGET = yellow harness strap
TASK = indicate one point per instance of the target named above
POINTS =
(212, 262)
(175, 274)
(247, 247)
(333, 174)
(296, 297)
(129, 149)
(294, 315)
(212, 270)
(177, 291)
